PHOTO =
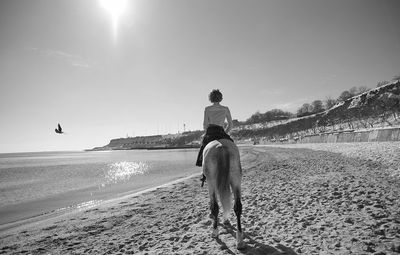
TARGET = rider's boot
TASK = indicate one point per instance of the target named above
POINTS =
(203, 179)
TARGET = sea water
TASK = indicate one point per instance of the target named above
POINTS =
(42, 183)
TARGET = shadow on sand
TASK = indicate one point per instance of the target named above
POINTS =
(254, 247)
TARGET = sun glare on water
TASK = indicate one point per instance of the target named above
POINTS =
(123, 171)
(115, 8)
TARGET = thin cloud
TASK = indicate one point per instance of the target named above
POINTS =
(271, 92)
(70, 59)
(291, 106)
(328, 79)
(287, 106)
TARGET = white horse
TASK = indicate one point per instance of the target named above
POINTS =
(221, 166)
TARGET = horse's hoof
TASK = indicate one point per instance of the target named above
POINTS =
(240, 245)
(214, 233)
(239, 240)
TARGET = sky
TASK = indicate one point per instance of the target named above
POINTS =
(147, 67)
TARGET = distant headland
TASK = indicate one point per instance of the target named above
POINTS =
(185, 140)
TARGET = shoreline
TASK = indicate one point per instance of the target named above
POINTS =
(325, 200)
(64, 212)
(145, 148)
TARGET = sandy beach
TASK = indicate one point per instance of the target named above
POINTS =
(297, 199)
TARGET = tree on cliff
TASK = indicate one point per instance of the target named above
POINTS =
(344, 96)
(382, 83)
(272, 115)
(305, 109)
(329, 103)
(317, 106)
(235, 123)
(255, 118)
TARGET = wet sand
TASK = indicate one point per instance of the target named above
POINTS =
(299, 199)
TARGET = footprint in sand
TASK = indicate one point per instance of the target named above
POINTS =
(108, 225)
(174, 229)
(50, 227)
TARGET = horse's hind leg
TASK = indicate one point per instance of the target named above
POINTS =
(238, 211)
(214, 213)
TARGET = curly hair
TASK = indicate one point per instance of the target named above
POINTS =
(215, 96)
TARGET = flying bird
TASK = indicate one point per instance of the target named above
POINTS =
(59, 129)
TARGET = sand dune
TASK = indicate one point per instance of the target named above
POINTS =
(337, 199)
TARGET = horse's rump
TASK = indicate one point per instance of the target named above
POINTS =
(221, 159)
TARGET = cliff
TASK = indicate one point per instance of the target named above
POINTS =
(375, 108)
(189, 139)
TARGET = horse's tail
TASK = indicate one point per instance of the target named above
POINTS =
(223, 180)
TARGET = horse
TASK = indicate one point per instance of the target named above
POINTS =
(221, 166)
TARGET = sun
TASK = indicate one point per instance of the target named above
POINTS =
(115, 9)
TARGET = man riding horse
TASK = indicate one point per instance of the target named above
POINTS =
(214, 122)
